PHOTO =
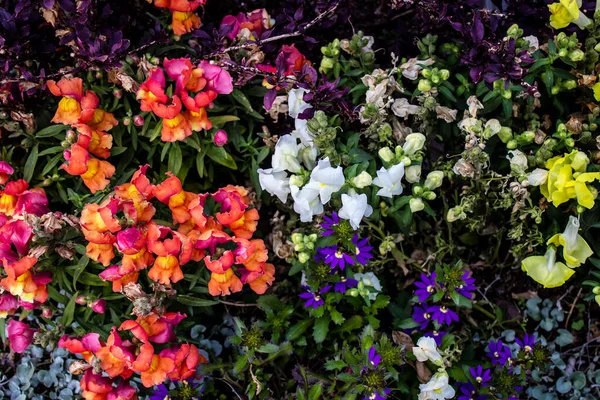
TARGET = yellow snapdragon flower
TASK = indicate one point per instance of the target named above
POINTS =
(566, 11)
(566, 179)
(546, 270)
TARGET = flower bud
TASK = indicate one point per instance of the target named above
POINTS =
(297, 238)
(511, 145)
(296, 180)
(570, 84)
(569, 142)
(563, 52)
(309, 157)
(505, 134)
(362, 180)
(424, 85)
(576, 55)
(46, 312)
(71, 136)
(352, 292)
(429, 196)
(99, 306)
(126, 121)
(413, 173)
(386, 154)
(220, 138)
(434, 180)
(416, 204)
(417, 190)
(580, 161)
(414, 142)
(81, 300)
(118, 93)
(303, 257)
(99, 75)
(596, 290)
(138, 120)
(444, 74)
(454, 214)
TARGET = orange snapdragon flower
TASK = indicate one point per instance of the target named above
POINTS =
(176, 128)
(224, 284)
(186, 359)
(160, 367)
(245, 226)
(87, 346)
(101, 217)
(28, 287)
(9, 197)
(184, 22)
(166, 244)
(97, 174)
(114, 357)
(96, 142)
(259, 280)
(171, 193)
(95, 386)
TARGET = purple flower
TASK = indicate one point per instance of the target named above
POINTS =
(426, 286)
(438, 336)
(528, 342)
(469, 392)
(468, 286)
(363, 250)
(421, 315)
(498, 352)
(442, 314)
(161, 392)
(335, 257)
(314, 300)
(378, 395)
(329, 224)
(345, 284)
(374, 358)
(482, 376)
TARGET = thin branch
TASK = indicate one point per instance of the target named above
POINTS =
(230, 303)
(229, 384)
(572, 307)
(297, 33)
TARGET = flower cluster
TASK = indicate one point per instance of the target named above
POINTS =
(196, 87)
(124, 221)
(246, 26)
(90, 146)
(184, 17)
(438, 386)
(120, 358)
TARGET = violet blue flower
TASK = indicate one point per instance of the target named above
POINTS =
(335, 257)
(363, 250)
(314, 300)
(528, 342)
(469, 392)
(421, 316)
(329, 224)
(482, 376)
(378, 395)
(498, 352)
(442, 314)
(468, 286)
(345, 284)
(426, 286)
(161, 392)
(374, 358)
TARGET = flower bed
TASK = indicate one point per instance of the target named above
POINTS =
(299, 200)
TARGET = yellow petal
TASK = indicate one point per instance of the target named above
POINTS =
(585, 198)
(537, 268)
(577, 254)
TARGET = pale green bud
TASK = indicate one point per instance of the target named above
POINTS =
(413, 173)
(416, 204)
(303, 257)
(386, 154)
(362, 180)
(434, 180)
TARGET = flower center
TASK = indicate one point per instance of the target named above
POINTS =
(443, 309)
(528, 348)
(338, 254)
(479, 379)
(317, 298)
(430, 289)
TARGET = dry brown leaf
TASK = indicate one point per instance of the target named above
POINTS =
(530, 294)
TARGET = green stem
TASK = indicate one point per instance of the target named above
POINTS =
(484, 311)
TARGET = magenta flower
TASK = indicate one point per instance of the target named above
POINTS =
(217, 78)
(20, 335)
(220, 138)
(99, 306)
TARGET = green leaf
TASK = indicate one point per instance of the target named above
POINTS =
(219, 155)
(269, 302)
(321, 329)
(91, 279)
(175, 159)
(195, 301)
(268, 348)
(52, 150)
(83, 262)
(408, 323)
(298, 329)
(316, 391)
(337, 317)
(52, 163)
(447, 93)
(335, 364)
(549, 81)
(539, 63)
(221, 120)
(51, 131)
(353, 323)
(30, 164)
(69, 313)
(242, 99)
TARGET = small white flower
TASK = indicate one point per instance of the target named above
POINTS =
(413, 173)
(402, 108)
(414, 142)
(389, 180)
(369, 280)
(474, 105)
(354, 208)
(308, 154)
(518, 160)
(538, 177)
(426, 349)
(469, 125)
(276, 183)
(412, 67)
(534, 43)
(326, 180)
(492, 127)
(306, 203)
(437, 388)
(296, 104)
(286, 154)
(362, 180)
(445, 113)
(302, 132)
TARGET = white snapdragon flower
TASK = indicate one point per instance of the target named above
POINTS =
(306, 203)
(354, 208)
(538, 177)
(326, 180)
(437, 388)
(518, 160)
(389, 180)
(308, 154)
(296, 103)
(402, 108)
(414, 142)
(369, 280)
(426, 349)
(434, 180)
(413, 173)
(302, 132)
(286, 154)
(416, 204)
(276, 183)
(534, 43)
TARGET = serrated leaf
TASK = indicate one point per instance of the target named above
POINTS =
(315, 392)
(321, 329)
(335, 364)
(268, 348)
(298, 329)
